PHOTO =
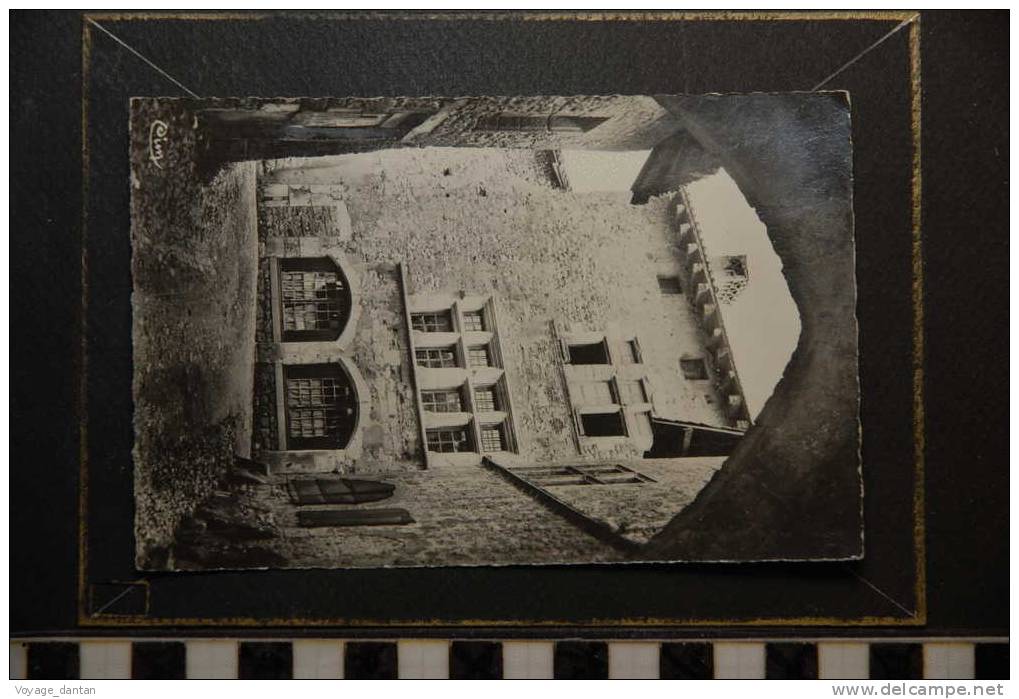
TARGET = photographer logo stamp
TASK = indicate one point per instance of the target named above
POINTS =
(157, 140)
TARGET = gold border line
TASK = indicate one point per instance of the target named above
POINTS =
(82, 359)
(919, 414)
(919, 618)
(494, 16)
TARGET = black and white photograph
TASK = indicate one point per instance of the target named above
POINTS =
(403, 332)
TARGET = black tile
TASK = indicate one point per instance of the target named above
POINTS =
(581, 660)
(896, 661)
(53, 661)
(991, 661)
(265, 661)
(790, 661)
(369, 661)
(155, 660)
(686, 661)
(475, 660)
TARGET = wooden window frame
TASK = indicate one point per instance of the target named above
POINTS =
(469, 317)
(429, 406)
(432, 327)
(503, 440)
(497, 398)
(427, 351)
(296, 372)
(442, 432)
(343, 299)
(489, 357)
(581, 474)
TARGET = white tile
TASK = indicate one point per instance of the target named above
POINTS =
(528, 660)
(19, 661)
(739, 661)
(318, 660)
(211, 660)
(843, 661)
(422, 660)
(948, 661)
(633, 661)
(105, 660)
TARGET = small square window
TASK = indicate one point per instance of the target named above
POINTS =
(449, 441)
(693, 369)
(436, 357)
(669, 286)
(442, 401)
(440, 322)
(478, 357)
(486, 399)
(602, 424)
(474, 321)
(493, 438)
(591, 353)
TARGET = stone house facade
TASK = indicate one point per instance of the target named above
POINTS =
(431, 307)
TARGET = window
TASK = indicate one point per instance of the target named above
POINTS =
(632, 355)
(314, 298)
(442, 401)
(539, 122)
(595, 474)
(448, 441)
(486, 399)
(440, 322)
(321, 407)
(593, 353)
(632, 392)
(474, 321)
(493, 438)
(669, 286)
(693, 369)
(436, 357)
(478, 357)
(602, 424)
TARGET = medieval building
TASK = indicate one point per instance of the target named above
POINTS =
(472, 341)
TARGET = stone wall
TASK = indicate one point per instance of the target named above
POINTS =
(297, 221)
(485, 221)
(389, 434)
(634, 123)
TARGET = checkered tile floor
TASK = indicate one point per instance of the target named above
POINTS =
(440, 659)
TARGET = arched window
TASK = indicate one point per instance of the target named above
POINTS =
(315, 299)
(321, 406)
